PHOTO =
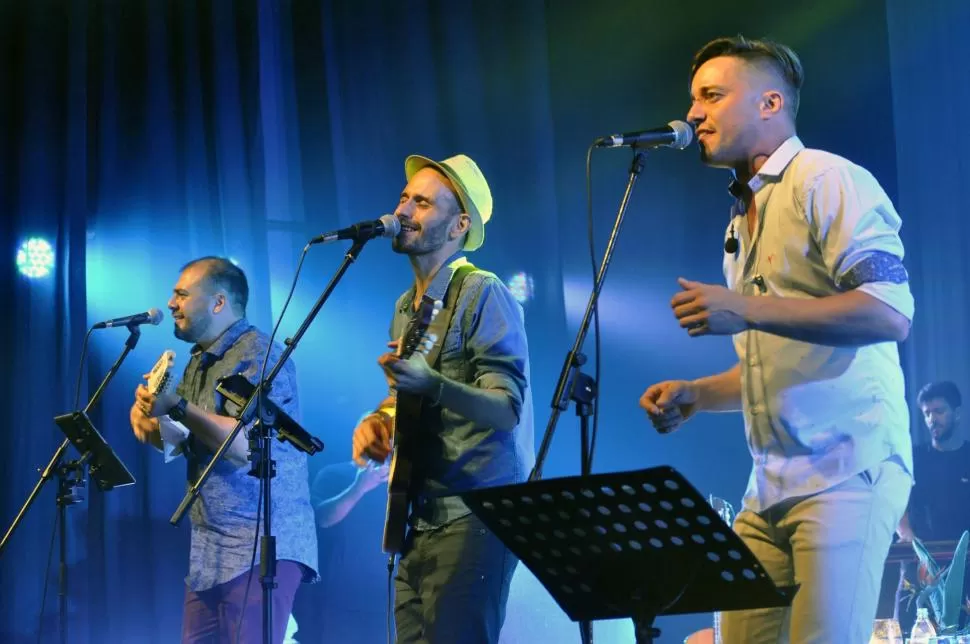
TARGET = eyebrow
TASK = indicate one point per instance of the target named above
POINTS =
(180, 291)
(706, 89)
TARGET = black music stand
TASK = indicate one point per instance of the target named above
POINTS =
(634, 544)
(105, 467)
(237, 390)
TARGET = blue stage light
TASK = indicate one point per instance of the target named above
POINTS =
(521, 286)
(35, 258)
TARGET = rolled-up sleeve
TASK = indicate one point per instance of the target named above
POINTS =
(857, 230)
(495, 342)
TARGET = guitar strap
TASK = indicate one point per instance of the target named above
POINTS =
(442, 321)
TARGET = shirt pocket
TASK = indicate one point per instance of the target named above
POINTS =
(452, 362)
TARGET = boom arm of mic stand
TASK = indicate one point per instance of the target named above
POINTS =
(196, 488)
(560, 399)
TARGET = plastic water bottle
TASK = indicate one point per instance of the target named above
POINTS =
(923, 628)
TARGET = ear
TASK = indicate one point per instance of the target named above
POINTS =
(461, 226)
(221, 302)
(772, 103)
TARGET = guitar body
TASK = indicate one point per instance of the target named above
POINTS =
(403, 475)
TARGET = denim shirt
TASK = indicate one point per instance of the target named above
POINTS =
(224, 516)
(818, 415)
(485, 346)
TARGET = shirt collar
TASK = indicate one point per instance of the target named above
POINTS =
(224, 341)
(439, 283)
(772, 168)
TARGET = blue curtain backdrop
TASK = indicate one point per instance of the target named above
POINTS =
(137, 135)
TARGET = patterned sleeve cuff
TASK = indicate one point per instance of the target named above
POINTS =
(876, 267)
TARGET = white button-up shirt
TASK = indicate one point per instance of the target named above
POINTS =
(817, 415)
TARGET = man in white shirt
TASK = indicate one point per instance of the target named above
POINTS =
(817, 298)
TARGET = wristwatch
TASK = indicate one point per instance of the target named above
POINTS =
(177, 412)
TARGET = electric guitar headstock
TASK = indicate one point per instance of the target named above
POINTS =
(416, 338)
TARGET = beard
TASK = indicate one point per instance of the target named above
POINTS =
(713, 158)
(942, 434)
(192, 330)
(421, 242)
(704, 154)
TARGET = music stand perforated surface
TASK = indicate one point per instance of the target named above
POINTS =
(633, 544)
(105, 467)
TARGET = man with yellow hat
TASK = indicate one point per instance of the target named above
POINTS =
(475, 428)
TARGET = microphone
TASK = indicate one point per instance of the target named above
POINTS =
(676, 134)
(152, 316)
(386, 226)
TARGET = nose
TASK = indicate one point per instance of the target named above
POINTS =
(405, 209)
(695, 115)
(171, 303)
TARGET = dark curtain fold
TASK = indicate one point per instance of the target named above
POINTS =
(43, 193)
(931, 83)
(137, 135)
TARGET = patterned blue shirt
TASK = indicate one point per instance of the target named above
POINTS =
(224, 516)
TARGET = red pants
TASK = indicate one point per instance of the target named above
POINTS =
(212, 616)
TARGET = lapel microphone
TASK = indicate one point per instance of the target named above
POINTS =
(731, 243)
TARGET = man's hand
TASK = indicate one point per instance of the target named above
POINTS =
(372, 440)
(905, 530)
(143, 427)
(708, 309)
(413, 376)
(669, 404)
(152, 406)
(370, 477)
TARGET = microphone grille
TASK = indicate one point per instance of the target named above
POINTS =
(392, 225)
(155, 316)
(684, 133)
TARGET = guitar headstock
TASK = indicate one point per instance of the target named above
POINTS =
(160, 377)
(723, 508)
(416, 338)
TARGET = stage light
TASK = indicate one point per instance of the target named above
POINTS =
(521, 287)
(35, 258)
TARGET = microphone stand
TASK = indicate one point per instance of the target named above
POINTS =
(575, 385)
(261, 449)
(71, 476)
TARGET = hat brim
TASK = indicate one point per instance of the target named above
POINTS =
(476, 233)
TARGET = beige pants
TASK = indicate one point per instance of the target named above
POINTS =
(833, 545)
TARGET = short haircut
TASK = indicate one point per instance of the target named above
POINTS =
(222, 274)
(778, 57)
(943, 389)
